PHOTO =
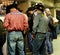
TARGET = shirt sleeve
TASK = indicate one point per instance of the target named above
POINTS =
(25, 22)
(35, 24)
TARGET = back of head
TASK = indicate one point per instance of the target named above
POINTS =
(9, 7)
(30, 9)
(13, 6)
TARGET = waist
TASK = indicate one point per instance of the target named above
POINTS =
(15, 30)
(40, 32)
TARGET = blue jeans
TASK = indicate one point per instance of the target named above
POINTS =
(15, 39)
(49, 43)
(39, 47)
(30, 41)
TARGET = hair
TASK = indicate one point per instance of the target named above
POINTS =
(30, 9)
(9, 7)
(47, 9)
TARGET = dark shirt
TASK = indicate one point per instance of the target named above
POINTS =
(2, 30)
(51, 25)
(30, 21)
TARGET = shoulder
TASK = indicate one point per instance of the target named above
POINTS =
(50, 17)
(45, 18)
(36, 16)
(24, 16)
(7, 15)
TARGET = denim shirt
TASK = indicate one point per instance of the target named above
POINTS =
(40, 24)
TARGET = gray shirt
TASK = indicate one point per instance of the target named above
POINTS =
(40, 24)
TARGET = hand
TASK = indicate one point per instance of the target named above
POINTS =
(33, 36)
(55, 23)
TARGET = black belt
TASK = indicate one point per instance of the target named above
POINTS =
(40, 32)
(14, 30)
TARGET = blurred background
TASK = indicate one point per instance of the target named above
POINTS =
(54, 6)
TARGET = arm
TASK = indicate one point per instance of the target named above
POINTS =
(35, 24)
(51, 25)
(6, 22)
(25, 22)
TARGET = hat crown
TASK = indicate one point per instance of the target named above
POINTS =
(40, 6)
(31, 8)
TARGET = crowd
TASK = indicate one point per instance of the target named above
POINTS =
(37, 24)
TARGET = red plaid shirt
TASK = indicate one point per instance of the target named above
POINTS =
(15, 21)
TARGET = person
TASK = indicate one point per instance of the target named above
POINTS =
(53, 21)
(40, 25)
(30, 14)
(15, 23)
(50, 31)
(2, 36)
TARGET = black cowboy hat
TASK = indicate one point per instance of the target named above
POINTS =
(39, 6)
